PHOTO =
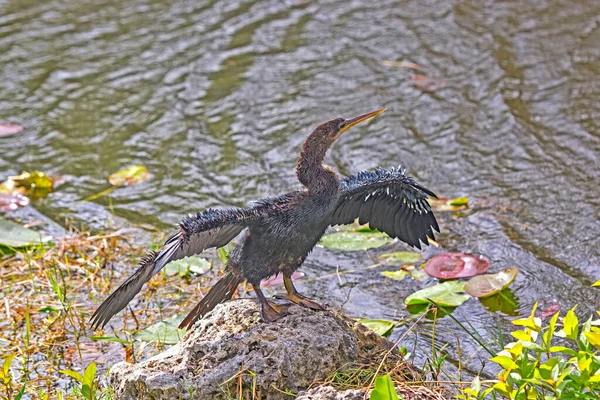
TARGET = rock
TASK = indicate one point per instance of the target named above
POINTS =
(329, 393)
(230, 348)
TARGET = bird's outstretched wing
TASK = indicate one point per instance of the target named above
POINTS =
(211, 228)
(390, 202)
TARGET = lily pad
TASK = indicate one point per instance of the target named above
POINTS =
(197, 265)
(129, 176)
(486, 285)
(277, 280)
(503, 301)
(10, 202)
(7, 129)
(396, 275)
(448, 294)
(456, 265)
(380, 326)
(165, 332)
(14, 235)
(400, 257)
(355, 240)
(444, 204)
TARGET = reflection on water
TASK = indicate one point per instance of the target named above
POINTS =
(215, 99)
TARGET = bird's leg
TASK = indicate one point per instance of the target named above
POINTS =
(295, 297)
(269, 311)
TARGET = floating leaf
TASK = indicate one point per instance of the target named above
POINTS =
(401, 64)
(426, 83)
(397, 275)
(380, 326)
(443, 204)
(7, 129)
(446, 294)
(10, 202)
(355, 240)
(129, 176)
(34, 184)
(384, 389)
(547, 308)
(503, 301)
(400, 257)
(485, 285)
(14, 235)
(165, 332)
(111, 339)
(456, 265)
(197, 265)
(277, 280)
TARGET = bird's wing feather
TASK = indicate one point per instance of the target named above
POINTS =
(389, 201)
(211, 228)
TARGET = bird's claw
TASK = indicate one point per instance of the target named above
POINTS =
(301, 301)
(271, 312)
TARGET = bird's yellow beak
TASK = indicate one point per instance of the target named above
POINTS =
(355, 121)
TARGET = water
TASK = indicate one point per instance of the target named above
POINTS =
(215, 98)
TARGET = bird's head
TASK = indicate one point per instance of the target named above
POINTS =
(331, 130)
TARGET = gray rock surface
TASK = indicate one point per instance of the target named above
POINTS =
(232, 350)
(329, 393)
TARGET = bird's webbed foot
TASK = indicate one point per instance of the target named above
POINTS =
(269, 311)
(296, 298)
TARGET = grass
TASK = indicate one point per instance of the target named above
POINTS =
(48, 293)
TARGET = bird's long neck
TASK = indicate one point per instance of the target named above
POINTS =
(318, 178)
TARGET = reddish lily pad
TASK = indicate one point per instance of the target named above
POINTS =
(486, 285)
(129, 176)
(456, 265)
(7, 129)
(426, 83)
(277, 280)
(547, 308)
(10, 202)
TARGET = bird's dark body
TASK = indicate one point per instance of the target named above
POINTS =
(279, 241)
(277, 234)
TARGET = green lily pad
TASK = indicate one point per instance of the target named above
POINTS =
(14, 235)
(355, 240)
(443, 204)
(486, 285)
(380, 326)
(197, 265)
(129, 175)
(504, 301)
(400, 257)
(446, 294)
(165, 332)
(396, 275)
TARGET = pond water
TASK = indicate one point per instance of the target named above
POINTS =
(215, 98)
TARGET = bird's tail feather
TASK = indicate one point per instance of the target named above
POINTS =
(222, 291)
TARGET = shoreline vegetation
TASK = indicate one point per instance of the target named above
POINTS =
(49, 291)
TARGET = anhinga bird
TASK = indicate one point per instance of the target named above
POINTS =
(278, 233)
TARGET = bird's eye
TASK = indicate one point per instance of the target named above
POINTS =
(342, 124)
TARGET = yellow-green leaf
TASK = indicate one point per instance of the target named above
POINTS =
(504, 361)
(593, 338)
(129, 175)
(571, 325)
